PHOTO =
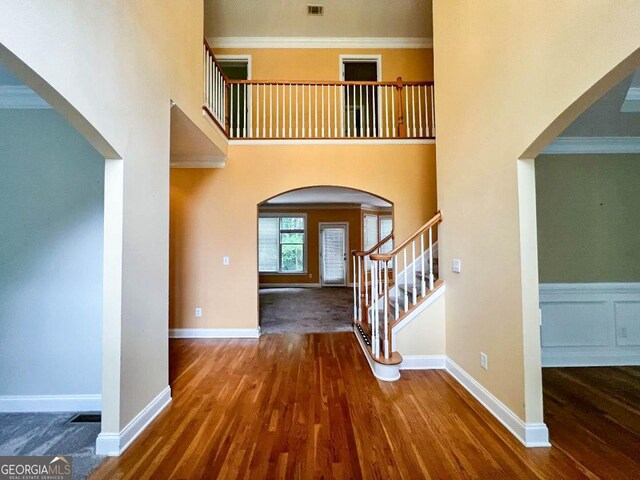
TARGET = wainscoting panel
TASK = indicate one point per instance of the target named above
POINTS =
(590, 324)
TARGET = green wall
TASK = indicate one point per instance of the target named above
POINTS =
(588, 209)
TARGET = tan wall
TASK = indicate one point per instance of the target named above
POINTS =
(213, 214)
(324, 64)
(505, 75)
(314, 217)
(588, 218)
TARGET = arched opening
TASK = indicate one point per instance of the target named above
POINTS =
(52, 206)
(305, 237)
(580, 267)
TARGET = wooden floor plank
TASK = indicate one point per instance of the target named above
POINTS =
(307, 406)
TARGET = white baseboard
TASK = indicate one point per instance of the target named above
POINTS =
(423, 362)
(214, 332)
(113, 444)
(530, 434)
(289, 285)
(50, 403)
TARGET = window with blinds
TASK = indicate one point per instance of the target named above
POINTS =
(386, 227)
(370, 231)
(281, 244)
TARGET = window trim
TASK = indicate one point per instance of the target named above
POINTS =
(304, 245)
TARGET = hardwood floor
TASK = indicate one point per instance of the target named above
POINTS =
(593, 415)
(307, 406)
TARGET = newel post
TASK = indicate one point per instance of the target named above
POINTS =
(402, 129)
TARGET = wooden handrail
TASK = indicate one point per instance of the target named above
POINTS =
(215, 61)
(324, 83)
(374, 248)
(385, 257)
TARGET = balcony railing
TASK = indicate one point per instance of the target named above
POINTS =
(286, 110)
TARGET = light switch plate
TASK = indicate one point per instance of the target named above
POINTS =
(456, 265)
(198, 312)
(225, 260)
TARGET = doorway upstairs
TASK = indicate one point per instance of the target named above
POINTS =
(305, 240)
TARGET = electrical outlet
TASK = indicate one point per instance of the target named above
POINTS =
(198, 312)
(225, 260)
(310, 275)
(484, 361)
(623, 332)
(456, 265)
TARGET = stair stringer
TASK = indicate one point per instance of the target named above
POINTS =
(431, 312)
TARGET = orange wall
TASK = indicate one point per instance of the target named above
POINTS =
(414, 64)
(314, 216)
(214, 211)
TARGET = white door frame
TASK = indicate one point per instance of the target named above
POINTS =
(345, 225)
(247, 59)
(354, 58)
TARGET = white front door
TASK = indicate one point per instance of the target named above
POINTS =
(333, 254)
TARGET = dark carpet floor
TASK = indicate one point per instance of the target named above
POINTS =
(306, 310)
(50, 434)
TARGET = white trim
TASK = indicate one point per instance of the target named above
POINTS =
(320, 42)
(114, 444)
(286, 285)
(589, 360)
(423, 362)
(278, 207)
(198, 161)
(305, 251)
(632, 288)
(346, 253)
(355, 58)
(50, 403)
(387, 373)
(351, 141)
(530, 434)
(586, 145)
(214, 332)
(249, 102)
(21, 97)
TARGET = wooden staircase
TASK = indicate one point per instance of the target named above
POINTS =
(389, 288)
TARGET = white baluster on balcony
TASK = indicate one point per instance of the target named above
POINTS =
(413, 111)
(238, 124)
(431, 278)
(406, 275)
(348, 120)
(335, 111)
(361, 131)
(309, 131)
(393, 112)
(322, 108)
(386, 309)
(433, 112)
(302, 97)
(366, 91)
(375, 108)
(419, 111)
(257, 124)
(290, 87)
(423, 273)
(231, 109)
(413, 269)
(396, 274)
(406, 111)
(245, 110)
(270, 111)
(264, 111)
(297, 111)
(386, 110)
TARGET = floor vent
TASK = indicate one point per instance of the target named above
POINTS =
(86, 418)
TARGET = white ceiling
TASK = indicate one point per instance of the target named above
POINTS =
(328, 195)
(342, 18)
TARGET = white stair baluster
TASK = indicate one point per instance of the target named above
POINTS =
(366, 281)
(386, 310)
(431, 278)
(355, 293)
(423, 287)
(413, 269)
(397, 285)
(374, 310)
(406, 294)
(360, 306)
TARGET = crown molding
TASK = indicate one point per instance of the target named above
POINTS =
(320, 42)
(195, 161)
(585, 145)
(21, 97)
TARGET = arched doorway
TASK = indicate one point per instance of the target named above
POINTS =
(305, 240)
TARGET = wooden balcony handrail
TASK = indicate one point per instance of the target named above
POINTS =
(385, 257)
(324, 83)
(374, 248)
(215, 60)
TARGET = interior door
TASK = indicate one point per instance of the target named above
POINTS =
(333, 255)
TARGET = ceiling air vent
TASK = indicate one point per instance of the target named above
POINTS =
(315, 10)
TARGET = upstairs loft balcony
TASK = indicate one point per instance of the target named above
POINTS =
(308, 110)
